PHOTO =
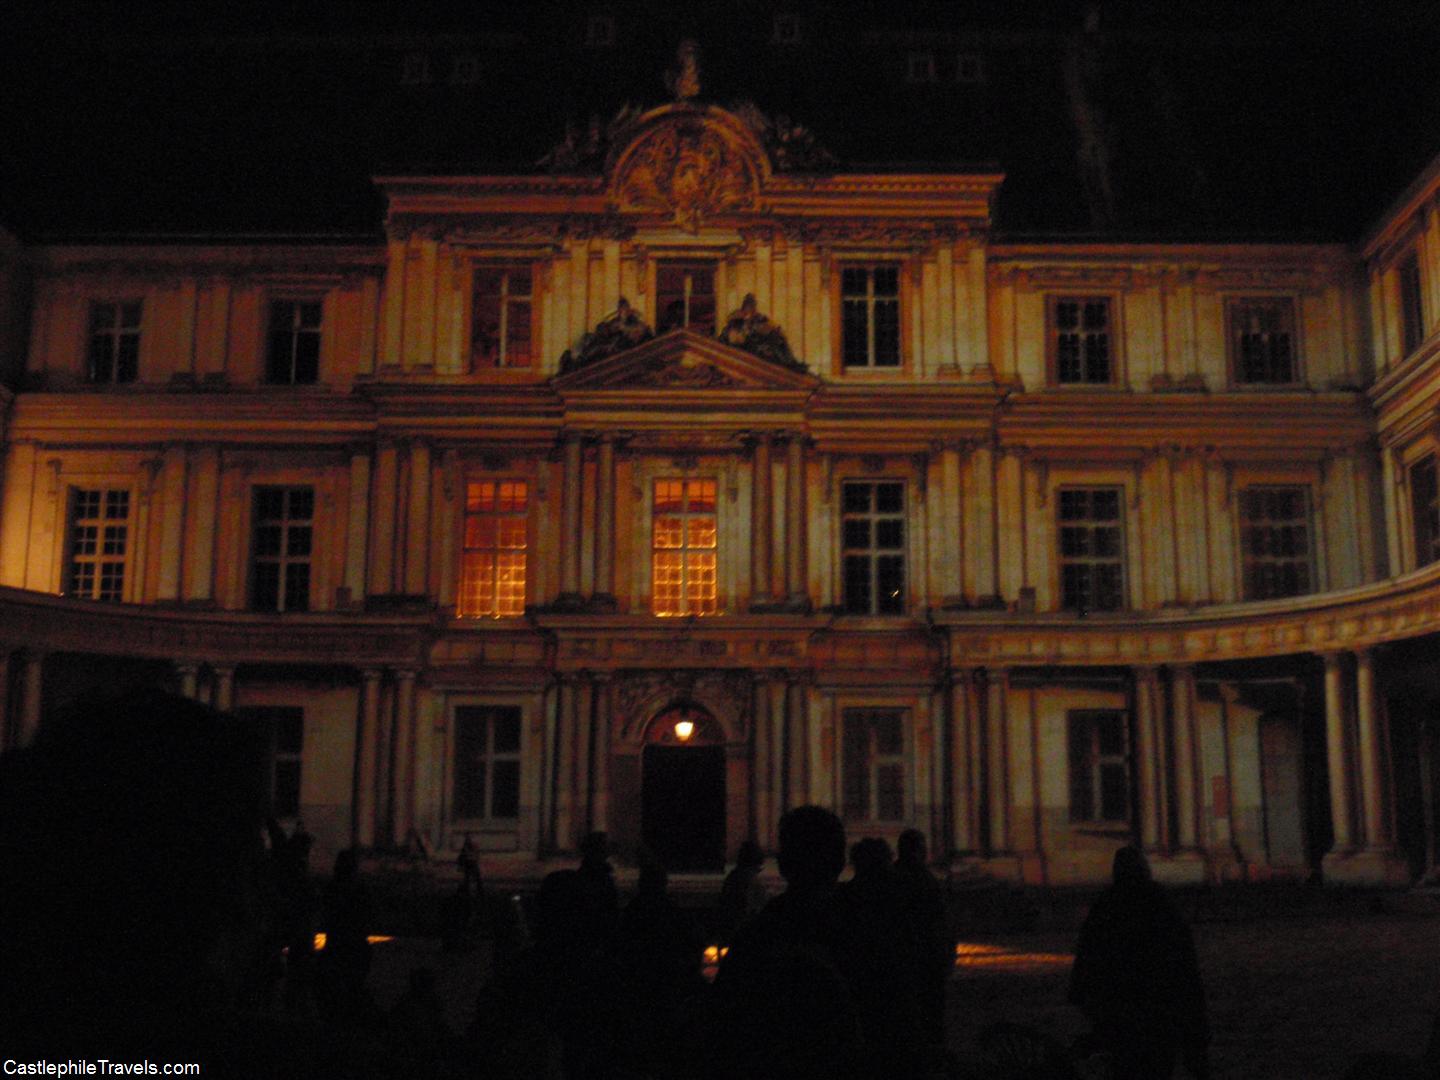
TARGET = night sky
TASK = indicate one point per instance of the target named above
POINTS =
(1287, 120)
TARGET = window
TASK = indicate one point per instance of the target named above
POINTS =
(293, 358)
(1412, 310)
(280, 570)
(1080, 340)
(114, 355)
(969, 68)
(282, 733)
(1275, 542)
(683, 556)
(487, 763)
(920, 67)
(502, 332)
(873, 547)
(97, 543)
(870, 316)
(873, 766)
(1262, 339)
(685, 297)
(786, 29)
(1099, 776)
(492, 566)
(1092, 549)
(1425, 509)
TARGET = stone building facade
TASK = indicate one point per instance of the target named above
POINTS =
(691, 479)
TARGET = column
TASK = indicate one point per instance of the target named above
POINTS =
(223, 697)
(795, 522)
(600, 793)
(1145, 683)
(761, 802)
(32, 688)
(962, 791)
(584, 741)
(200, 556)
(1337, 759)
(997, 764)
(797, 743)
(417, 521)
(1182, 706)
(362, 822)
(404, 814)
(605, 524)
(189, 679)
(172, 523)
(357, 525)
(761, 528)
(382, 535)
(570, 521)
(1371, 753)
(565, 763)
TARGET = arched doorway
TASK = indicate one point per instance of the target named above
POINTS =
(682, 789)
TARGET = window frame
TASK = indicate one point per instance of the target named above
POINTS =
(1410, 271)
(1121, 559)
(462, 549)
(496, 826)
(1243, 560)
(1432, 459)
(687, 266)
(295, 301)
(1095, 763)
(283, 559)
(848, 712)
(1113, 329)
(904, 298)
(500, 369)
(873, 551)
(1286, 303)
(685, 515)
(115, 331)
(69, 556)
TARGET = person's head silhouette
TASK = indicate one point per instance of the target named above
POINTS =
(812, 847)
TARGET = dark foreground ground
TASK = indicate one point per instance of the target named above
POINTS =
(1291, 996)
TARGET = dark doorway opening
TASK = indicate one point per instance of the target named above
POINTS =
(682, 806)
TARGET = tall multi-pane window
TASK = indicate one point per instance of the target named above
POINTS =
(487, 763)
(1425, 509)
(114, 351)
(1262, 339)
(872, 530)
(492, 566)
(1412, 305)
(1275, 549)
(1092, 549)
(282, 731)
(870, 316)
(685, 297)
(284, 521)
(98, 541)
(1080, 340)
(293, 354)
(873, 764)
(502, 322)
(684, 548)
(1099, 773)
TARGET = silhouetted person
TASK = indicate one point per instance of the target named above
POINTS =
(132, 915)
(457, 912)
(782, 1006)
(742, 894)
(926, 903)
(419, 1032)
(297, 905)
(597, 878)
(1137, 979)
(346, 917)
(468, 862)
(881, 958)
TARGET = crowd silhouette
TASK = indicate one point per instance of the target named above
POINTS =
(147, 908)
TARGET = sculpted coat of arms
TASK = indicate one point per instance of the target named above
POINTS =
(687, 171)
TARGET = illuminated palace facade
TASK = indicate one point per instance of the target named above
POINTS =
(691, 479)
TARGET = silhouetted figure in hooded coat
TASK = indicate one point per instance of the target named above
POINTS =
(1137, 979)
(926, 904)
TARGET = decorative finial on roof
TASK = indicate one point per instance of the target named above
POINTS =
(683, 80)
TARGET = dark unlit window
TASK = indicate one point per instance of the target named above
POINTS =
(1425, 510)
(293, 357)
(501, 333)
(282, 733)
(1099, 776)
(487, 763)
(1412, 306)
(870, 316)
(114, 351)
(1092, 549)
(685, 297)
(873, 547)
(1275, 542)
(1262, 336)
(98, 540)
(283, 534)
(873, 765)
(1081, 339)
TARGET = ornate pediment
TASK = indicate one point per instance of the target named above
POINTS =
(682, 360)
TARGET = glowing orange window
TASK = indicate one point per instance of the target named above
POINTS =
(684, 548)
(492, 568)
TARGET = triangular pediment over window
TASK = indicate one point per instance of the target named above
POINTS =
(684, 360)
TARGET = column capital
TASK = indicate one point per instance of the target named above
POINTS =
(1332, 658)
(1145, 673)
(372, 674)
